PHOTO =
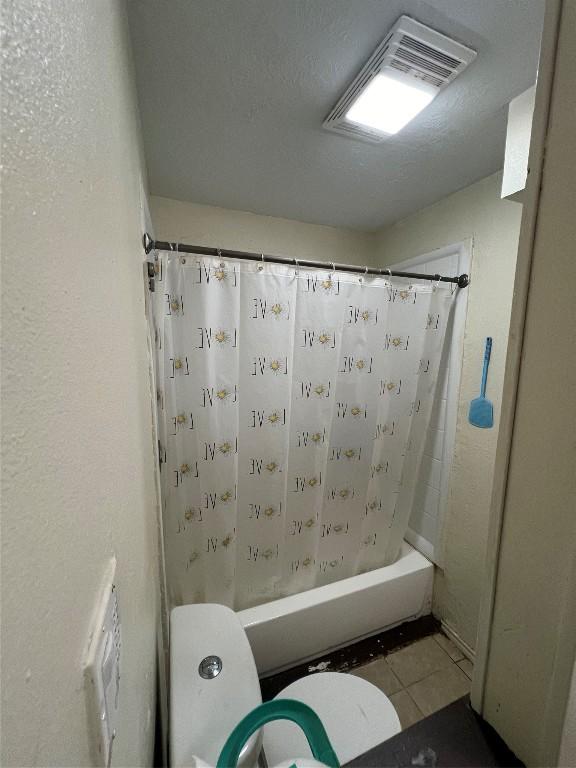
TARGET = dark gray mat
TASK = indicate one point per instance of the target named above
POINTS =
(454, 737)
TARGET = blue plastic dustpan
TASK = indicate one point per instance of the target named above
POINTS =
(481, 412)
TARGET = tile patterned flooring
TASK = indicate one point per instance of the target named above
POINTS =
(420, 678)
(427, 679)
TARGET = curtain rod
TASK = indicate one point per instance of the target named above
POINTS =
(162, 245)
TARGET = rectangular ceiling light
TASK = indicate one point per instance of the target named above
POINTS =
(407, 70)
(387, 104)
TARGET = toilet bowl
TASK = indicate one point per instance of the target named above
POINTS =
(214, 684)
(356, 715)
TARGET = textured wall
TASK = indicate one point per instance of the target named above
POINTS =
(475, 212)
(238, 230)
(532, 640)
(77, 445)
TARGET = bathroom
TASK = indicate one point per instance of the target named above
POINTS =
(185, 216)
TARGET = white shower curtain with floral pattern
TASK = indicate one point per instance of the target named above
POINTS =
(293, 406)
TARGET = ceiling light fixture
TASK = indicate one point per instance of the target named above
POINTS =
(404, 74)
(388, 104)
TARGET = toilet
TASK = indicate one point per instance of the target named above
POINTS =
(214, 684)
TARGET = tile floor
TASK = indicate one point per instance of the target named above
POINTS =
(420, 678)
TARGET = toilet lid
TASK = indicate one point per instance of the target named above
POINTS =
(356, 715)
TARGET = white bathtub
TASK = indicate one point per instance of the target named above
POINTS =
(300, 627)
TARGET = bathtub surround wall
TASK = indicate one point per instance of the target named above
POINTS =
(77, 451)
(476, 212)
(238, 230)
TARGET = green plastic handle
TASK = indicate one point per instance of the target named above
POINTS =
(279, 709)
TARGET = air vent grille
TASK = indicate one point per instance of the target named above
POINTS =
(395, 64)
(401, 67)
(431, 53)
(415, 51)
(422, 64)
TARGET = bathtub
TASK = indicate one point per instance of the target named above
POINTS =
(298, 628)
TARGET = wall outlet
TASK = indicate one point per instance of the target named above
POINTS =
(102, 670)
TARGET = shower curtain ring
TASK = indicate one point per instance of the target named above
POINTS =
(333, 267)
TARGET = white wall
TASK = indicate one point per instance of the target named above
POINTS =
(241, 231)
(77, 483)
(475, 212)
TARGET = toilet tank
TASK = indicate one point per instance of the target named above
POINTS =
(204, 709)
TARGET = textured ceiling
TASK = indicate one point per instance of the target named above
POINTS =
(233, 94)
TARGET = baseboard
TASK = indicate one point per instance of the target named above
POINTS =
(469, 652)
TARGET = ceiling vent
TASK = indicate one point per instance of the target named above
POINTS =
(412, 54)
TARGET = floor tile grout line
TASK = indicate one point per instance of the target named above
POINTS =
(415, 704)
(445, 655)
(405, 688)
(420, 680)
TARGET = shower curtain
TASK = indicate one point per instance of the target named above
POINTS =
(293, 406)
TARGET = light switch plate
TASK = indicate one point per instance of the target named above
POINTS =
(102, 670)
